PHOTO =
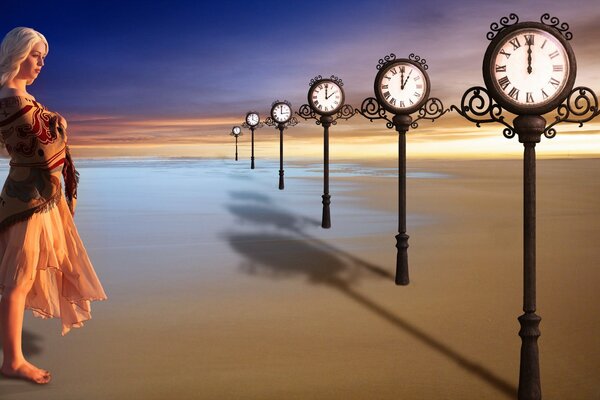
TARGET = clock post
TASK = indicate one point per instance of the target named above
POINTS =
(326, 100)
(545, 72)
(401, 88)
(236, 131)
(281, 118)
(252, 122)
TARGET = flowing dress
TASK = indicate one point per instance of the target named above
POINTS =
(38, 238)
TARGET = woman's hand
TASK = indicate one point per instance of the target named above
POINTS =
(72, 204)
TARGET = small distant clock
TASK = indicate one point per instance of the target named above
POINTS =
(281, 112)
(236, 130)
(402, 86)
(252, 119)
(326, 97)
(529, 68)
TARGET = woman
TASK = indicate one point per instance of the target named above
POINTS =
(43, 264)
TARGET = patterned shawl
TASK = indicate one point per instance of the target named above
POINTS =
(39, 156)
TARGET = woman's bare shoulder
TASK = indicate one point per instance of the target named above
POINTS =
(6, 92)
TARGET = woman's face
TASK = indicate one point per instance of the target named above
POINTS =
(32, 65)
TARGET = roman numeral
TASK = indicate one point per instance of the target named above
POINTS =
(417, 94)
(554, 82)
(384, 86)
(320, 107)
(515, 43)
(419, 86)
(500, 68)
(393, 71)
(320, 86)
(529, 97)
(505, 53)
(337, 102)
(402, 104)
(557, 68)
(543, 44)
(402, 69)
(393, 101)
(411, 102)
(314, 97)
(529, 40)
(387, 77)
(554, 54)
(503, 82)
(387, 95)
(417, 78)
(316, 102)
(514, 93)
(544, 95)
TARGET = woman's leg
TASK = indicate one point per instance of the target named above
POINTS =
(12, 308)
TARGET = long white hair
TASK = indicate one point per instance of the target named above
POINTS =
(15, 48)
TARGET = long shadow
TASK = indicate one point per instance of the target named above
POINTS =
(300, 255)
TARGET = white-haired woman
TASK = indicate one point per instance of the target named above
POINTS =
(43, 264)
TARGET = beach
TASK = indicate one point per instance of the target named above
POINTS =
(221, 286)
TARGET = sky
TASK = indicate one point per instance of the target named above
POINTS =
(170, 78)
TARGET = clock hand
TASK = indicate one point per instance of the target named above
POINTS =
(326, 97)
(401, 78)
(529, 69)
(408, 76)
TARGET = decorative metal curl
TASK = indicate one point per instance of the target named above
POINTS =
(306, 112)
(336, 80)
(345, 112)
(385, 60)
(581, 105)
(555, 23)
(419, 60)
(257, 126)
(313, 80)
(271, 122)
(431, 110)
(504, 23)
(473, 102)
(371, 109)
(281, 101)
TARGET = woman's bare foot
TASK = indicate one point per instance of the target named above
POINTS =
(28, 372)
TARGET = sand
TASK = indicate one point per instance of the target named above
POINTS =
(222, 287)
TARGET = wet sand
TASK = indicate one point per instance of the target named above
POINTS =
(222, 287)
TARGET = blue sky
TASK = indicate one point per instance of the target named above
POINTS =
(131, 60)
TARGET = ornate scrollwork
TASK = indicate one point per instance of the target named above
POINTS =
(419, 60)
(281, 101)
(345, 112)
(431, 110)
(371, 109)
(271, 122)
(257, 126)
(478, 102)
(504, 23)
(385, 60)
(580, 106)
(291, 122)
(306, 112)
(555, 23)
(315, 79)
(337, 80)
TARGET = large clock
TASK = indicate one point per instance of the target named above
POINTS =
(326, 97)
(529, 68)
(281, 112)
(252, 119)
(402, 86)
(236, 130)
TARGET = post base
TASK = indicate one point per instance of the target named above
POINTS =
(326, 220)
(281, 184)
(252, 163)
(529, 372)
(402, 259)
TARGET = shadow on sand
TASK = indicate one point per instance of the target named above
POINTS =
(299, 255)
(31, 347)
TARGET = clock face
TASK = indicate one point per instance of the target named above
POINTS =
(325, 97)
(237, 130)
(530, 69)
(252, 119)
(281, 112)
(402, 86)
